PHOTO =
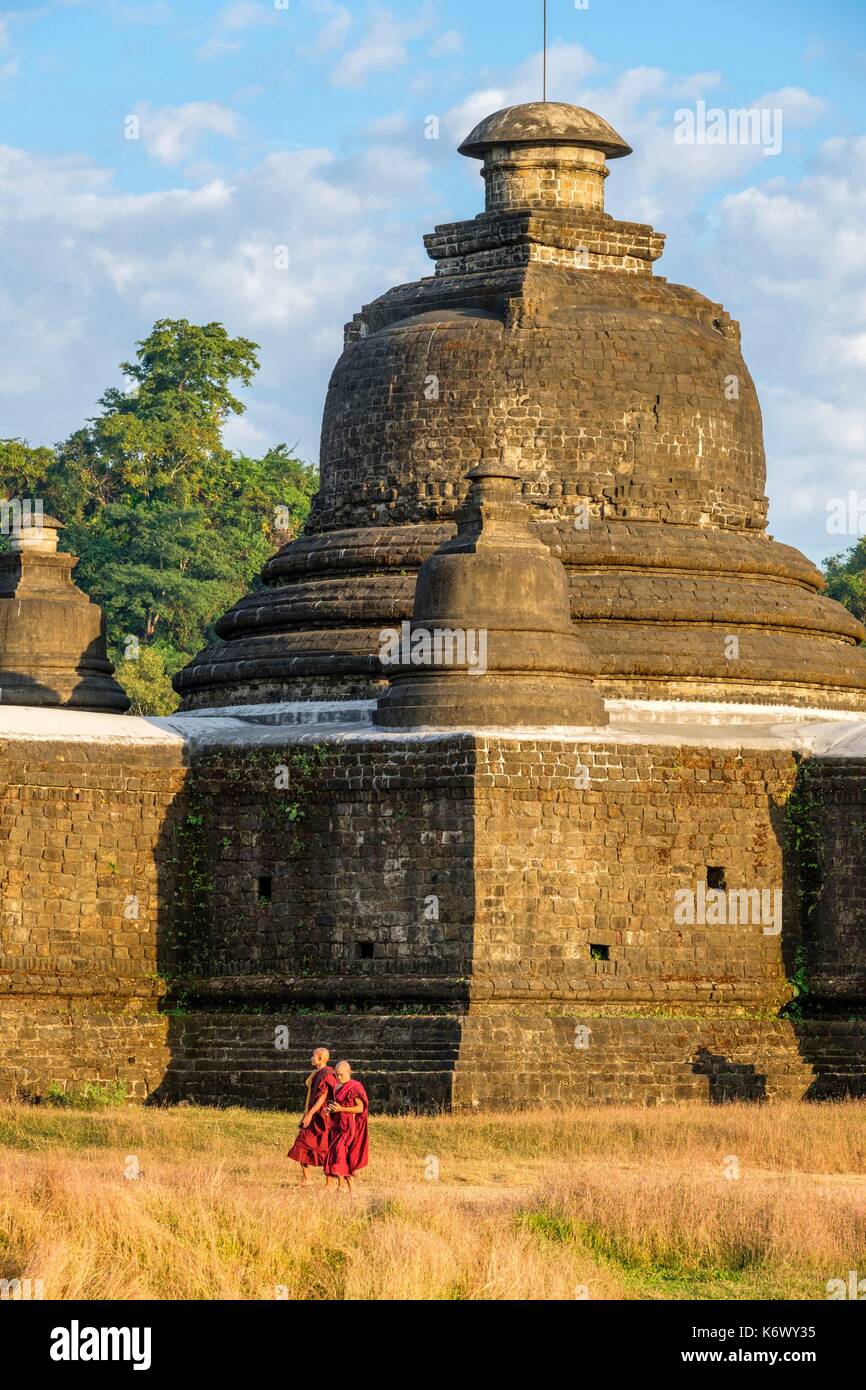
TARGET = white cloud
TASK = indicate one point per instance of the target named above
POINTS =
(387, 127)
(93, 268)
(335, 28)
(232, 22)
(383, 48)
(9, 68)
(698, 84)
(447, 44)
(799, 107)
(170, 133)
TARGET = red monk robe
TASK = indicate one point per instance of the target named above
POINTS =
(311, 1146)
(350, 1148)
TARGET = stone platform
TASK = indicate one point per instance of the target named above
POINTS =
(445, 909)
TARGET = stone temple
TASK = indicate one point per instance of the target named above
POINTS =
(534, 771)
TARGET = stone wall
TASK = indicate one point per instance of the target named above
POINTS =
(498, 869)
(324, 860)
(582, 1059)
(86, 895)
(262, 1061)
(580, 848)
(445, 910)
(830, 809)
(504, 1061)
(53, 1041)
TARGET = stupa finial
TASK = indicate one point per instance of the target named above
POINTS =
(544, 154)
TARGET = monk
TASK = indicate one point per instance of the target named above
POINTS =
(349, 1148)
(310, 1149)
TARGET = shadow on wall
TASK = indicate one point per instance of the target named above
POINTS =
(729, 1080)
(90, 687)
(17, 688)
(825, 933)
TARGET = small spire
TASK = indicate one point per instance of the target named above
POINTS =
(37, 534)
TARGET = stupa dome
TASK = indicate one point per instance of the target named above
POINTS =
(633, 422)
(545, 123)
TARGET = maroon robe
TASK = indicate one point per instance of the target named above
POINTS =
(311, 1146)
(349, 1149)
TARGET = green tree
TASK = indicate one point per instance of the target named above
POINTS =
(146, 677)
(171, 527)
(846, 578)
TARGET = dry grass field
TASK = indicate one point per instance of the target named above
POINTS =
(617, 1203)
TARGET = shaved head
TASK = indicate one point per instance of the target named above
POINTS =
(343, 1068)
(320, 1056)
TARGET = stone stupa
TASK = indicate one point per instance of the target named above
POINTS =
(591, 871)
(52, 637)
(638, 433)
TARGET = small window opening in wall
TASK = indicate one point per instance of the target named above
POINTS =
(365, 950)
(597, 952)
(265, 888)
(716, 877)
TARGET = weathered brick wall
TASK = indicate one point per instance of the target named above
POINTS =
(53, 1040)
(582, 1059)
(84, 866)
(502, 1061)
(526, 176)
(588, 241)
(830, 811)
(584, 845)
(86, 892)
(354, 849)
(404, 864)
(489, 874)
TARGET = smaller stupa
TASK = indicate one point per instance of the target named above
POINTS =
(491, 643)
(52, 638)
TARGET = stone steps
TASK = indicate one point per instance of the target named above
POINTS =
(500, 1061)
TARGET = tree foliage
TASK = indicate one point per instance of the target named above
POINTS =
(171, 527)
(846, 579)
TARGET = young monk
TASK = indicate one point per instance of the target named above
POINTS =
(349, 1149)
(310, 1149)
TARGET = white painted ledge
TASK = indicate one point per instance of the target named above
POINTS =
(663, 723)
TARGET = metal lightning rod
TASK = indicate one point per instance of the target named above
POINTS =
(545, 51)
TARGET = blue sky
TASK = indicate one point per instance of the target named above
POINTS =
(263, 124)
